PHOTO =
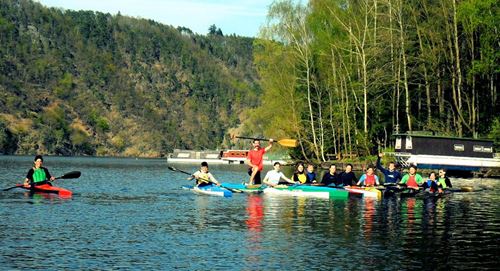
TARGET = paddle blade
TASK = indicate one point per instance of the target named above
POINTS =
(71, 175)
(292, 143)
(10, 188)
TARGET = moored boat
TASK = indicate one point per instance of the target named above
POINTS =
(455, 154)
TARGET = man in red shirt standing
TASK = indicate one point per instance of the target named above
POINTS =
(255, 161)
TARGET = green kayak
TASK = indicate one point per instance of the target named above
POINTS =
(307, 191)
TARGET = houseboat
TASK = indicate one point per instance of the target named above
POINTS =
(189, 156)
(216, 157)
(429, 151)
(235, 156)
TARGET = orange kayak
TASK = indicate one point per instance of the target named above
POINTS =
(47, 188)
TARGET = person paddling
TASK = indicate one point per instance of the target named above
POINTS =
(412, 179)
(38, 174)
(300, 175)
(331, 177)
(431, 184)
(391, 175)
(443, 181)
(273, 177)
(368, 179)
(311, 175)
(203, 176)
(348, 178)
(255, 160)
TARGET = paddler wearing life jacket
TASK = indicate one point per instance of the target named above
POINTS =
(431, 184)
(443, 181)
(412, 179)
(311, 175)
(203, 176)
(38, 174)
(369, 178)
(300, 175)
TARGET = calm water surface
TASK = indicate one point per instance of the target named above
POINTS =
(132, 214)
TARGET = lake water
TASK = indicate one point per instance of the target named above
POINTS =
(132, 214)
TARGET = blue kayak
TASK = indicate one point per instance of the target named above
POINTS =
(210, 190)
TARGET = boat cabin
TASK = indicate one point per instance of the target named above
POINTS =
(439, 145)
(452, 153)
(235, 156)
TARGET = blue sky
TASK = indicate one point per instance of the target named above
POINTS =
(242, 17)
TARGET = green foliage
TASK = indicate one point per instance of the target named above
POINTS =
(495, 132)
(4, 138)
(102, 125)
(334, 77)
(157, 87)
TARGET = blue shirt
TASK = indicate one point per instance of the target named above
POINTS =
(393, 176)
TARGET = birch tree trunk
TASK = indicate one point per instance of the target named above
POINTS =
(403, 58)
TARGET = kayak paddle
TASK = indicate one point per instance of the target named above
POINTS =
(69, 175)
(187, 173)
(291, 143)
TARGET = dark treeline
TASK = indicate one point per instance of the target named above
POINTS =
(353, 71)
(88, 83)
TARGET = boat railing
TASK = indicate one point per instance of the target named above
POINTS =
(401, 157)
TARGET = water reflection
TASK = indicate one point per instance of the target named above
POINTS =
(255, 216)
(255, 212)
(368, 216)
(155, 223)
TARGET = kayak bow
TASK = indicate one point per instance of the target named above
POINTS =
(47, 188)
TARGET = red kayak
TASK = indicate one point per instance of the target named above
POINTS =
(47, 188)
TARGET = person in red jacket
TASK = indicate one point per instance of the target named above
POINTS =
(255, 160)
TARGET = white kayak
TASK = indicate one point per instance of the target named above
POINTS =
(367, 192)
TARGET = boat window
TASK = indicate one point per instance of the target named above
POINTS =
(487, 149)
(398, 143)
(459, 147)
(409, 145)
(477, 148)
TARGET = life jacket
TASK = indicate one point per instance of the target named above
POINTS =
(203, 178)
(301, 177)
(311, 176)
(442, 182)
(431, 185)
(412, 182)
(370, 180)
(39, 175)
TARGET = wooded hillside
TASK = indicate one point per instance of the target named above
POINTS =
(88, 83)
(338, 75)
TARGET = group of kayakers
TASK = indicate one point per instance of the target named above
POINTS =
(305, 174)
(302, 174)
